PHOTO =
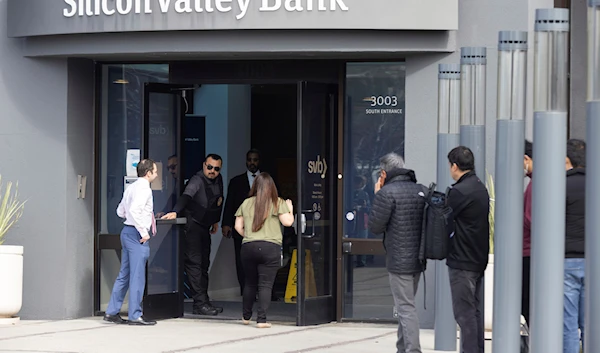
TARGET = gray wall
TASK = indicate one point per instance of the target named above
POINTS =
(43, 145)
(578, 92)
(479, 23)
(190, 45)
(79, 250)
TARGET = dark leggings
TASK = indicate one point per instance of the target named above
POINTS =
(261, 262)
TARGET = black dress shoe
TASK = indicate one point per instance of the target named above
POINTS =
(141, 321)
(115, 319)
(206, 310)
(217, 308)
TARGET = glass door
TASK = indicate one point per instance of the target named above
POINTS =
(316, 203)
(374, 125)
(161, 142)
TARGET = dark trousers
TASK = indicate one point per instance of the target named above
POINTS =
(261, 262)
(237, 243)
(466, 298)
(525, 289)
(197, 261)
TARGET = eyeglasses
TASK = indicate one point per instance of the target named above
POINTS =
(251, 159)
(210, 167)
(172, 167)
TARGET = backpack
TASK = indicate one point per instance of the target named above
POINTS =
(438, 224)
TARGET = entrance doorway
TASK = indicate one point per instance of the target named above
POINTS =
(219, 105)
(292, 125)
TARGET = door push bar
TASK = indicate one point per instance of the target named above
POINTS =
(303, 224)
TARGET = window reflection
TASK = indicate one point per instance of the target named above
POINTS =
(121, 109)
(121, 129)
(374, 126)
(367, 293)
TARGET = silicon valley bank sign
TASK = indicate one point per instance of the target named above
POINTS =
(239, 8)
(27, 18)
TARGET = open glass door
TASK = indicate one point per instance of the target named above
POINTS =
(316, 205)
(161, 142)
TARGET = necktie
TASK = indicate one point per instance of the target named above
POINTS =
(153, 227)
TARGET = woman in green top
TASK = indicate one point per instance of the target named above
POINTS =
(257, 220)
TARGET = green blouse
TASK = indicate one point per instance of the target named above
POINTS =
(271, 229)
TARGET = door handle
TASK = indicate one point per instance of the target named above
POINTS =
(312, 235)
(347, 247)
(303, 224)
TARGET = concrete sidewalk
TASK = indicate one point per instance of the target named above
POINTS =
(187, 335)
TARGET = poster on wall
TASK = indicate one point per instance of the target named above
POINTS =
(131, 162)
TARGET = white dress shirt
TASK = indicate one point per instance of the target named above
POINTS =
(251, 178)
(137, 206)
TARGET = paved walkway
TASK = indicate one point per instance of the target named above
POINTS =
(210, 336)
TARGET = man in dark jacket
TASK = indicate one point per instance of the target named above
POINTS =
(397, 212)
(202, 204)
(237, 192)
(574, 273)
(469, 247)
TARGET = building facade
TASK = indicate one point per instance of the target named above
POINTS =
(322, 88)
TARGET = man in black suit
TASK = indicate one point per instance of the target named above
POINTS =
(237, 192)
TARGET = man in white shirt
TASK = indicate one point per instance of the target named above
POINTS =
(137, 209)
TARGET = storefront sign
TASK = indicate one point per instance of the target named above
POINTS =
(383, 105)
(54, 17)
(318, 166)
(238, 7)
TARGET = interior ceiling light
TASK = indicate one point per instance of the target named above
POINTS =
(121, 81)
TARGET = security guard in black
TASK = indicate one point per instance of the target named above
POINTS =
(202, 204)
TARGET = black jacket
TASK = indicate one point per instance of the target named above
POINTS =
(237, 192)
(575, 214)
(202, 199)
(397, 212)
(470, 245)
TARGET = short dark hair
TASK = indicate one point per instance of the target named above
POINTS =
(214, 156)
(173, 156)
(145, 166)
(576, 152)
(463, 158)
(529, 149)
(253, 151)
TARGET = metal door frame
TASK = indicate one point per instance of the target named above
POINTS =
(330, 299)
(167, 302)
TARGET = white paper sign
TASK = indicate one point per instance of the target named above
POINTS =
(128, 181)
(131, 162)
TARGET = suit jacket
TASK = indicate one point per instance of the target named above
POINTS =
(237, 192)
